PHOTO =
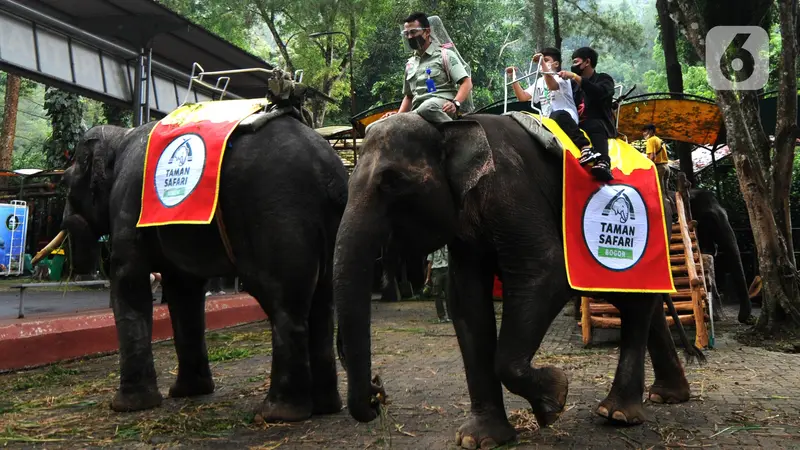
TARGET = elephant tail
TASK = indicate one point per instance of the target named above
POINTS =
(691, 350)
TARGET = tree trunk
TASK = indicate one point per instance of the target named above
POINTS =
(556, 26)
(786, 130)
(674, 79)
(539, 30)
(8, 133)
(748, 143)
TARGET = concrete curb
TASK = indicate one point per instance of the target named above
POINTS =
(26, 343)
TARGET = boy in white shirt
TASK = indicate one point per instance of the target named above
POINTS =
(555, 97)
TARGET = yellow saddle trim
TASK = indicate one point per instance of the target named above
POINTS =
(623, 156)
(214, 111)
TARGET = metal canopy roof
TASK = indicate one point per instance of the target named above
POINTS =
(678, 117)
(177, 42)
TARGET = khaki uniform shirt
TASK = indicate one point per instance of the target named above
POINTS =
(415, 75)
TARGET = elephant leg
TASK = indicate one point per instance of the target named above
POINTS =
(187, 313)
(670, 385)
(530, 304)
(325, 389)
(133, 315)
(284, 290)
(472, 312)
(624, 403)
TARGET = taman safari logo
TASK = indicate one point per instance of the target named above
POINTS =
(615, 226)
(180, 168)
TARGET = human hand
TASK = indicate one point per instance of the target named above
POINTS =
(510, 70)
(390, 113)
(536, 57)
(566, 74)
(449, 107)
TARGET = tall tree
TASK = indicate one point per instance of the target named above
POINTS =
(65, 111)
(539, 29)
(556, 25)
(8, 132)
(674, 79)
(764, 173)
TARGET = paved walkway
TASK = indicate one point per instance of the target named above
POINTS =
(744, 397)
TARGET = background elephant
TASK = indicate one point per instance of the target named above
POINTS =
(717, 238)
(282, 193)
(487, 190)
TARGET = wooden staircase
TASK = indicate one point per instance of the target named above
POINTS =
(690, 300)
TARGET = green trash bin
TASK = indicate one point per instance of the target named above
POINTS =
(56, 264)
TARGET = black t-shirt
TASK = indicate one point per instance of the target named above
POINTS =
(598, 94)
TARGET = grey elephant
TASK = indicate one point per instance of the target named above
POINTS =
(282, 194)
(717, 238)
(483, 187)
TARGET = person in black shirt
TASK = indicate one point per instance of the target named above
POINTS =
(597, 119)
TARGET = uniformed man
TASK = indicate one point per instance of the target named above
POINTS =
(436, 81)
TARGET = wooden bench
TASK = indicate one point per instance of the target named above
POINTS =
(24, 286)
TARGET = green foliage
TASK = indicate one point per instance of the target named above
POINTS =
(115, 115)
(224, 18)
(65, 111)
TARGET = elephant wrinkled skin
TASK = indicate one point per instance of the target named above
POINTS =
(483, 187)
(282, 194)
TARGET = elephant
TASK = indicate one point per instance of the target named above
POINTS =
(483, 187)
(716, 238)
(282, 193)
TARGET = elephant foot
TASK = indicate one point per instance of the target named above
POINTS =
(272, 411)
(147, 398)
(190, 388)
(619, 412)
(747, 319)
(484, 432)
(328, 403)
(662, 392)
(554, 386)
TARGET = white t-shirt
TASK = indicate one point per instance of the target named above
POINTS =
(554, 100)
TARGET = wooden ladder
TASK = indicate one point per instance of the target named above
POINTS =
(691, 298)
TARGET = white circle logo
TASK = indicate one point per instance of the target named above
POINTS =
(615, 226)
(180, 168)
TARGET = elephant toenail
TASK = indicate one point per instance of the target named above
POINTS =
(603, 411)
(655, 398)
(469, 443)
(618, 415)
(458, 438)
(488, 443)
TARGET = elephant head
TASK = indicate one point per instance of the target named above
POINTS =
(411, 183)
(88, 181)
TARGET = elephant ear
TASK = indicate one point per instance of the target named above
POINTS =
(468, 156)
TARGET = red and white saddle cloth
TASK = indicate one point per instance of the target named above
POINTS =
(615, 235)
(184, 158)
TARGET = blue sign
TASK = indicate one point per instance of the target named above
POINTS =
(13, 229)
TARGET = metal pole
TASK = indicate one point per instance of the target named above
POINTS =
(21, 314)
(137, 90)
(146, 102)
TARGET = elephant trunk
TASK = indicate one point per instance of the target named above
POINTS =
(729, 252)
(362, 231)
(84, 248)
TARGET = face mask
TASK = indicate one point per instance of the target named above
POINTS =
(576, 69)
(416, 42)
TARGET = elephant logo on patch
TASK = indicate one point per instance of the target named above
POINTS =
(183, 153)
(12, 222)
(622, 206)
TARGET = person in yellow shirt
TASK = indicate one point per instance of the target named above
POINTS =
(657, 152)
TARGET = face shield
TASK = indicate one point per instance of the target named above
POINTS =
(413, 38)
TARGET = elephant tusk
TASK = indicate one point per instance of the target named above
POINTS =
(50, 247)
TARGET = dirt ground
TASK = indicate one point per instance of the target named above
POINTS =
(744, 397)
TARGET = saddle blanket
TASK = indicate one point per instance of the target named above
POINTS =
(615, 235)
(183, 161)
